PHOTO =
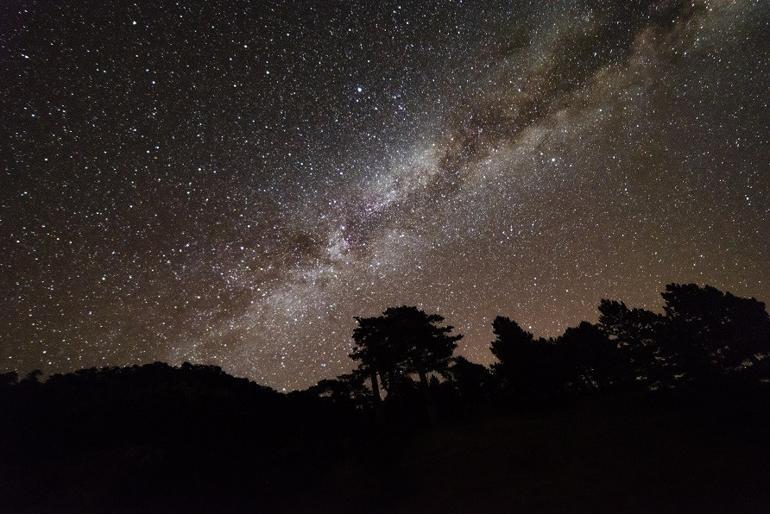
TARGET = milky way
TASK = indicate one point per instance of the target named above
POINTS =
(232, 182)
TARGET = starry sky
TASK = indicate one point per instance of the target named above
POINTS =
(230, 182)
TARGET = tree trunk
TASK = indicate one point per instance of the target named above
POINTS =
(429, 407)
(379, 414)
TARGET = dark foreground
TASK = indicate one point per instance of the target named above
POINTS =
(200, 441)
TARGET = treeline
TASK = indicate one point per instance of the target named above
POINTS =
(158, 438)
(405, 360)
(703, 338)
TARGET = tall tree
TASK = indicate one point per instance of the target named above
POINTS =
(421, 344)
(373, 355)
(404, 340)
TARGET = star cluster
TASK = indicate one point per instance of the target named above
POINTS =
(232, 182)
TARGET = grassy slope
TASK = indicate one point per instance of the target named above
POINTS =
(621, 455)
(592, 457)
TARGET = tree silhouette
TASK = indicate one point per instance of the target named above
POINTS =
(713, 332)
(638, 334)
(526, 367)
(402, 341)
(421, 343)
(590, 360)
(471, 381)
(345, 390)
(371, 350)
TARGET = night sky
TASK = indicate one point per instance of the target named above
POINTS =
(231, 182)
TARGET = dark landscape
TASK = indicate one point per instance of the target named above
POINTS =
(642, 412)
(384, 256)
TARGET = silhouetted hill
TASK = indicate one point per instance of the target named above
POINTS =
(640, 412)
(123, 439)
(161, 439)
